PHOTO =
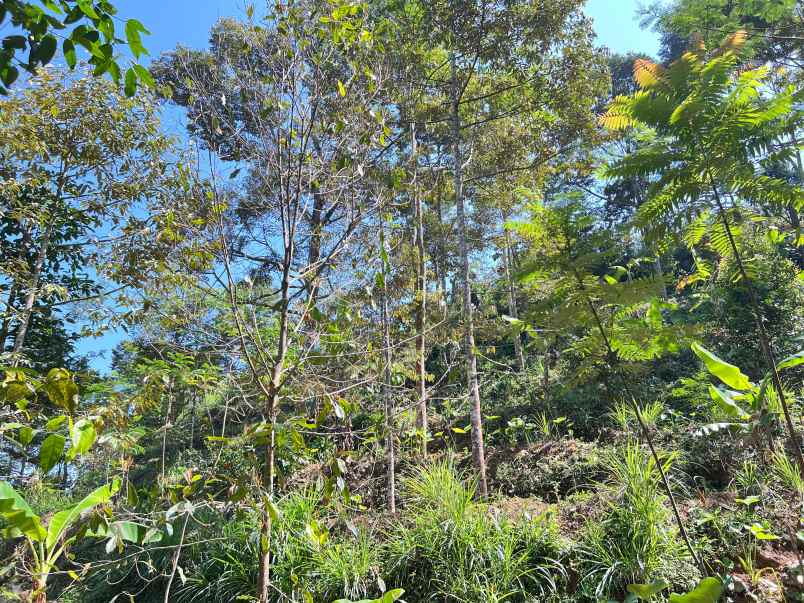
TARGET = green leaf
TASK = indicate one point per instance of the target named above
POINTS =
(61, 389)
(26, 435)
(760, 533)
(63, 520)
(86, 7)
(82, 436)
(68, 48)
(707, 591)
(144, 75)
(46, 49)
(132, 498)
(645, 591)
(725, 401)
(727, 373)
(18, 514)
(131, 82)
(133, 30)
(341, 88)
(392, 595)
(51, 452)
(128, 531)
(54, 423)
(273, 511)
(16, 387)
(791, 361)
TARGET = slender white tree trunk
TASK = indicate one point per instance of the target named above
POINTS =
(421, 299)
(390, 436)
(512, 307)
(478, 452)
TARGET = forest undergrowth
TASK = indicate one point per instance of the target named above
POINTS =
(424, 301)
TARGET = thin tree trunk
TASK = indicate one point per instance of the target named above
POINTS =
(390, 437)
(512, 307)
(314, 252)
(30, 299)
(4, 329)
(659, 270)
(274, 388)
(176, 555)
(478, 452)
(192, 421)
(271, 391)
(440, 263)
(421, 299)
(164, 433)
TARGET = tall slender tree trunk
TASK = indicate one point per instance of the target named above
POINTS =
(388, 403)
(659, 270)
(30, 298)
(314, 252)
(421, 298)
(272, 407)
(478, 452)
(13, 292)
(512, 307)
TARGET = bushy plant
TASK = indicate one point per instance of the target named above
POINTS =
(636, 541)
(446, 546)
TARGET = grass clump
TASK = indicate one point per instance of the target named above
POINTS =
(636, 541)
(449, 547)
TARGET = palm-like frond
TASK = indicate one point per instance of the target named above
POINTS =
(715, 129)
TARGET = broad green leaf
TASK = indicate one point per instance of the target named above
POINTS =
(645, 591)
(144, 75)
(46, 49)
(133, 30)
(87, 8)
(82, 436)
(26, 435)
(18, 514)
(50, 454)
(725, 400)
(273, 511)
(63, 520)
(791, 361)
(341, 88)
(55, 423)
(128, 531)
(727, 373)
(68, 49)
(760, 533)
(707, 591)
(131, 82)
(392, 595)
(61, 389)
(16, 386)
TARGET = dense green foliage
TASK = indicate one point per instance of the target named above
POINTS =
(432, 301)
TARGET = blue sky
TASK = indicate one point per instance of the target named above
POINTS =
(187, 22)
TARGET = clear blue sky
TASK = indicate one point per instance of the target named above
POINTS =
(187, 22)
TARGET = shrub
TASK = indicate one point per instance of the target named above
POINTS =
(447, 547)
(636, 541)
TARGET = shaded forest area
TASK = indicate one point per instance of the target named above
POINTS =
(428, 301)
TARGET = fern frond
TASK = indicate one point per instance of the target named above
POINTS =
(647, 73)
